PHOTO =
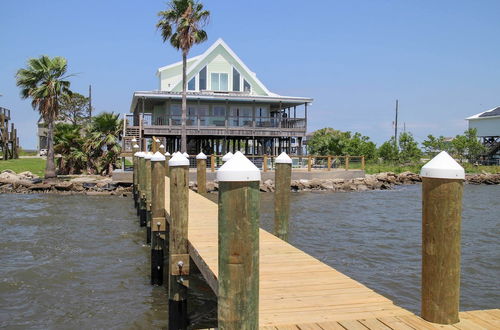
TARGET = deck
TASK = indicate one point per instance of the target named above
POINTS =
(299, 292)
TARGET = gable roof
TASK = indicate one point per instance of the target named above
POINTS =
(163, 68)
(203, 57)
(495, 112)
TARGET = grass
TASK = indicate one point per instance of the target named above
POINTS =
(34, 165)
(373, 168)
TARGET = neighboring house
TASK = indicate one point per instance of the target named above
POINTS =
(487, 124)
(42, 136)
(229, 109)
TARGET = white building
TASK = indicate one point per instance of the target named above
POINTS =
(487, 124)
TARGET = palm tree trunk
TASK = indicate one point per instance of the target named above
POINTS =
(184, 103)
(50, 166)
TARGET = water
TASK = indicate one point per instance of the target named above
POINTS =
(79, 261)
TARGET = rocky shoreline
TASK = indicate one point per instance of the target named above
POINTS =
(28, 183)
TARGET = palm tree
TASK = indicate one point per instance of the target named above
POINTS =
(103, 143)
(43, 80)
(69, 142)
(187, 18)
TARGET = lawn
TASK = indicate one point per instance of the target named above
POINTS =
(373, 168)
(34, 165)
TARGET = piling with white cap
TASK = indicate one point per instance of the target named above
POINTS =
(161, 149)
(239, 205)
(148, 157)
(135, 151)
(157, 216)
(227, 156)
(141, 184)
(201, 172)
(282, 183)
(178, 240)
(442, 188)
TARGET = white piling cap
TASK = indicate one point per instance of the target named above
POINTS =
(157, 140)
(134, 139)
(148, 155)
(227, 156)
(135, 146)
(162, 146)
(238, 168)
(185, 154)
(157, 157)
(141, 154)
(178, 160)
(443, 166)
(137, 154)
(167, 153)
(177, 152)
(283, 158)
(201, 155)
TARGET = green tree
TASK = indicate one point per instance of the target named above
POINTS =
(388, 151)
(408, 148)
(468, 146)
(69, 143)
(434, 145)
(44, 82)
(74, 108)
(328, 141)
(103, 142)
(182, 25)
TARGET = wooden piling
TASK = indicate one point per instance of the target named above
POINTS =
(167, 169)
(329, 163)
(142, 190)
(309, 163)
(158, 222)
(442, 187)
(161, 149)
(264, 163)
(201, 172)
(282, 182)
(135, 157)
(178, 241)
(363, 163)
(238, 274)
(346, 163)
(212, 163)
(147, 178)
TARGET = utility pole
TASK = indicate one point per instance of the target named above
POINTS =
(396, 126)
(90, 101)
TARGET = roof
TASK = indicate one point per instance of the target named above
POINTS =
(492, 113)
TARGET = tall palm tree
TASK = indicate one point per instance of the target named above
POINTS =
(44, 82)
(182, 25)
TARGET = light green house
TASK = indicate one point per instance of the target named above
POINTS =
(229, 109)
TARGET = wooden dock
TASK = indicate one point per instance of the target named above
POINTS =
(298, 291)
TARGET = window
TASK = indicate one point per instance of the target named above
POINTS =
(219, 81)
(219, 111)
(192, 84)
(203, 79)
(175, 110)
(192, 111)
(236, 80)
(246, 86)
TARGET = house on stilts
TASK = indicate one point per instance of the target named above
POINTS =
(229, 109)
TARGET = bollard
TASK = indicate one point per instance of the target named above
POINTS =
(161, 149)
(309, 163)
(201, 172)
(282, 182)
(142, 189)
(167, 158)
(238, 276)
(135, 151)
(442, 186)
(178, 242)
(212, 163)
(264, 163)
(227, 157)
(346, 163)
(158, 216)
(147, 178)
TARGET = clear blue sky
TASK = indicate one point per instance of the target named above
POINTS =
(441, 59)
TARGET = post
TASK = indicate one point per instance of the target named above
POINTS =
(167, 169)
(442, 186)
(238, 277)
(282, 181)
(178, 242)
(158, 216)
(309, 160)
(347, 163)
(142, 190)
(135, 152)
(201, 172)
(147, 177)
(264, 163)
(227, 157)
(329, 163)
(161, 149)
(362, 163)
(212, 163)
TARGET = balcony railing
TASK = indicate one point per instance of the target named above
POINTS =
(221, 121)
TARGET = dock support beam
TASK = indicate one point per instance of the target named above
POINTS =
(178, 242)
(147, 175)
(238, 277)
(135, 152)
(283, 180)
(158, 217)
(201, 172)
(142, 190)
(442, 187)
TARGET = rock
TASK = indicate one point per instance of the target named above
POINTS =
(327, 185)
(304, 184)
(63, 186)
(8, 171)
(41, 186)
(110, 186)
(362, 187)
(87, 185)
(315, 183)
(28, 174)
(211, 186)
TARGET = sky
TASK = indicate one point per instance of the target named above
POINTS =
(440, 59)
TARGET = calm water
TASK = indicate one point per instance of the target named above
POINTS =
(74, 261)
